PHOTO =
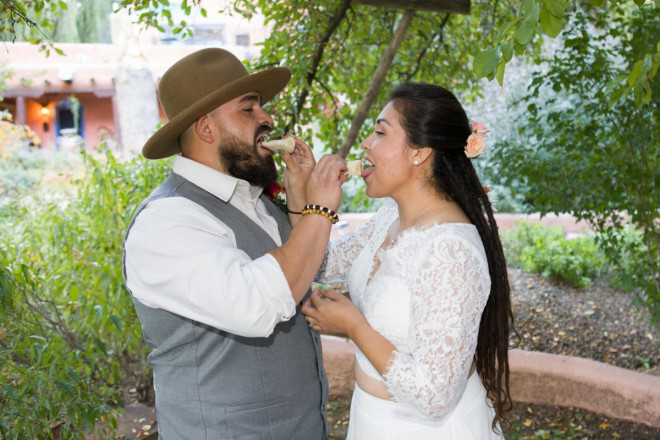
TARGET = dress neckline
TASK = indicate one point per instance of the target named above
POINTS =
(413, 230)
(376, 260)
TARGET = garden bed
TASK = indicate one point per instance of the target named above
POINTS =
(597, 322)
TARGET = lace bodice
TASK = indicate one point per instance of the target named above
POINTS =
(426, 298)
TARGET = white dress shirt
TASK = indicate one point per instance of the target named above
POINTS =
(182, 259)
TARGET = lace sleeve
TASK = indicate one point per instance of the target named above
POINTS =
(343, 251)
(448, 294)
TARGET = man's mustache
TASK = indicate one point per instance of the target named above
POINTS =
(261, 129)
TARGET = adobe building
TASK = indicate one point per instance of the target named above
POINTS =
(73, 100)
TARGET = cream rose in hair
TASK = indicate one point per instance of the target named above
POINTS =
(475, 144)
(479, 128)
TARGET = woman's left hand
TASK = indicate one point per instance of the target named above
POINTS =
(330, 312)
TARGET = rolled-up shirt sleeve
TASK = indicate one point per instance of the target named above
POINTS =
(183, 260)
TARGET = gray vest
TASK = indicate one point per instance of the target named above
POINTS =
(212, 384)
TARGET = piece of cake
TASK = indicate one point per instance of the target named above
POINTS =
(286, 144)
(354, 168)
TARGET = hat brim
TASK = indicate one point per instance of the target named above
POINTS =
(165, 142)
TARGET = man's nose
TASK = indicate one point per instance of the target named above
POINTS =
(264, 117)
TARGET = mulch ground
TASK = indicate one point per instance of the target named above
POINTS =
(596, 322)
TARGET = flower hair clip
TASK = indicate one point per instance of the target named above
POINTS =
(476, 144)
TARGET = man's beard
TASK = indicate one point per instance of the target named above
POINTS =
(243, 160)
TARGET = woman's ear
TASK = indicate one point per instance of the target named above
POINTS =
(421, 155)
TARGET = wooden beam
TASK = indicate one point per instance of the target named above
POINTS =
(451, 6)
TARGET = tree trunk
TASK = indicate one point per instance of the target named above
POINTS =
(376, 83)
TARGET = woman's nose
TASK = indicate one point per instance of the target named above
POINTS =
(366, 144)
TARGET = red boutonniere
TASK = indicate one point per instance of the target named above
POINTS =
(277, 194)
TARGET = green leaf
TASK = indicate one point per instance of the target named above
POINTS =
(532, 10)
(203, 12)
(555, 7)
(101, 345)
(642, 67)
(485, 62)
(518, 48)
(654, 67)
(507, 50)
(74, 374)
(616, 95)
(500, 72)
(504, 28)
(67, 388)
(117, 321)
(525, 31)
(637, 94)
(550, 24)
(640, 3)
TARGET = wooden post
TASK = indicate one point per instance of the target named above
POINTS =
(376, 82)
(20, 111)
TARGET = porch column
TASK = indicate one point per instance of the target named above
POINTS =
(20, 110)
(115, 116)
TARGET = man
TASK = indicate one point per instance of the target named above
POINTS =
(216, 272)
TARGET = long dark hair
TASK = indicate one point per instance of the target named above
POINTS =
(432, 117)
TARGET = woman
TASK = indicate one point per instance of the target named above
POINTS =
(430, 311)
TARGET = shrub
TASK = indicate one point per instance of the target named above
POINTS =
(630, 251)
(545, 250)
(69, 334)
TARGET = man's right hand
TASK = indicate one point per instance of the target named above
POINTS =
(299, 165)
(324, 184)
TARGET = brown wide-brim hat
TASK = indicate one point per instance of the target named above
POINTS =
(199, 83)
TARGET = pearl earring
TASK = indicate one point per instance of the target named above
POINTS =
(416, 162)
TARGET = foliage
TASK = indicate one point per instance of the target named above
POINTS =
(537, 17)
(628, 247)
(544, 249)
(574, 153)
(13, 135)
(45, 22)
(333, 48)
(69, 336)
(157, 14)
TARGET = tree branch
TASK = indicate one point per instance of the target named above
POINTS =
(376, 82)
(317, 57)
(420, 57)
(335, 104)
(17, 15)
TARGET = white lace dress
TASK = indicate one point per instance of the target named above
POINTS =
(426, 298)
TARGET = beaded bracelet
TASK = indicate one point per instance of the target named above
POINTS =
(322, 210)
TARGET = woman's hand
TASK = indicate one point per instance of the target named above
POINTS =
(330, 312)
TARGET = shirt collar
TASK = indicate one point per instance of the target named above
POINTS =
(221, 185)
